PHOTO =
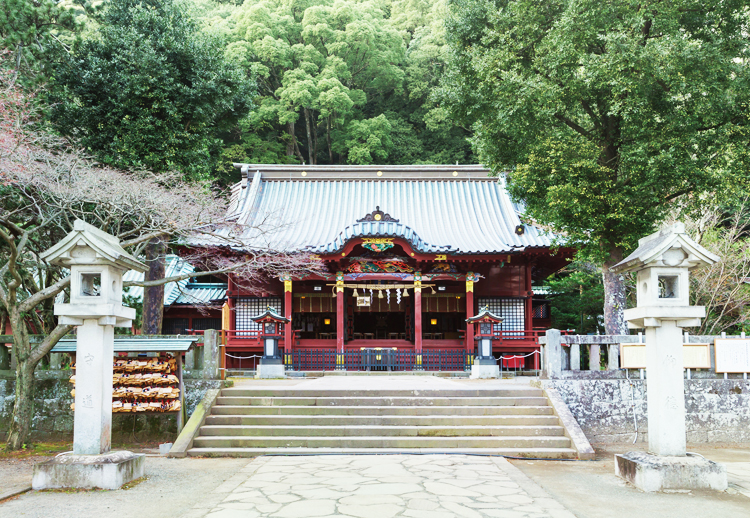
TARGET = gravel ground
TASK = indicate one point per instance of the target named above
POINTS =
(591, 489)
(15, 474)
(172, 487)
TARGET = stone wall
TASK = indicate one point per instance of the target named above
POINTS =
(53, 418)
(718, 411)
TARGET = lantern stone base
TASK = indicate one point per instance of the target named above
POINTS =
(650, 472)
(485, 368)
(106, 471)
(270, 368)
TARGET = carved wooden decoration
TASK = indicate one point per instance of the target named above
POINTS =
(378, 215)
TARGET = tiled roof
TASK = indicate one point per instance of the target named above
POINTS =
(181, 292)
(440, 209)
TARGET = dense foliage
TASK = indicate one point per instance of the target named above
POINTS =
(576, 296)
(149, 90)
(31, 33)
(340, 81)
(606, 113)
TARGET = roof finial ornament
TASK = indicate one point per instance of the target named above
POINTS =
(378, 215)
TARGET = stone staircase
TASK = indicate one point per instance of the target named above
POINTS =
(246, 422)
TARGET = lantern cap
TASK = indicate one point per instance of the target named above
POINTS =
(270, 315)
(106, 249)
(485, 315)
(670, 247)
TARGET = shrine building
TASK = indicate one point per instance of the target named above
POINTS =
(408, 254)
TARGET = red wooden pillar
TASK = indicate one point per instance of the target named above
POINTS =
(529, 303)
(529, 316)
(340, 321)
(231, 300)
(418, 319)
(288, 328)
(469, 338)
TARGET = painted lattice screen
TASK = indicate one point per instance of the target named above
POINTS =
(513, 312)
(248, 307)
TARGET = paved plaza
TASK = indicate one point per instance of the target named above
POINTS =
(379, 486)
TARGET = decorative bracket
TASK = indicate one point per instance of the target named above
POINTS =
(378, 215)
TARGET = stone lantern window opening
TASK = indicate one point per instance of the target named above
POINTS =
(91, 284)
(669, 286)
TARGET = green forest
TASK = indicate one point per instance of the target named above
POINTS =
(203, 83)
(607, 119)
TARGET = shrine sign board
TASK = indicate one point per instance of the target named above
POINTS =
(694, 356)
(732, 355)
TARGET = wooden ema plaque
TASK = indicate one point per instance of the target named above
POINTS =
(732, 355)
(694, 356)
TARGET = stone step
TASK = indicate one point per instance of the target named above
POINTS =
(381, 431)
(383, 420)
(380, 401)
(220, 441)
(381, 410)
(529, 453)
(297, 392)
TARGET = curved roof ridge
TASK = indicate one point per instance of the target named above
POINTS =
(378, 229)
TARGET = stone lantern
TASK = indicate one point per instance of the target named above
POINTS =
(97, 263)
(662, 263)
(485, 364)
(272, 330)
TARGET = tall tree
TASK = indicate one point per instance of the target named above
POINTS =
(150, 90)
(46, 184)
(31, 33)
(603, 113)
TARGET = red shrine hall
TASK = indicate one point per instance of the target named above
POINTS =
(409, 253)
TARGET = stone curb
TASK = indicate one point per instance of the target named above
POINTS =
(571, 426)
(14, 491)
(185, 440)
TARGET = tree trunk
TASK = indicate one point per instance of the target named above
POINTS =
(4, 356)
(314, 129)
(310, 151)
(295, 144)
(290, 144)
(153, 296)
(23, 407)
(614, 295)
(328, 139)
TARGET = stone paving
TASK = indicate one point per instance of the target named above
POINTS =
(379, 486)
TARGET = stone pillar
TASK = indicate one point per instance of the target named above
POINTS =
(55, 361)
(190, 360)
(211, 355)
(613, 357)
(92, 420)
(553, 354)
(665, 390)
(594, 357)
(575, 357)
